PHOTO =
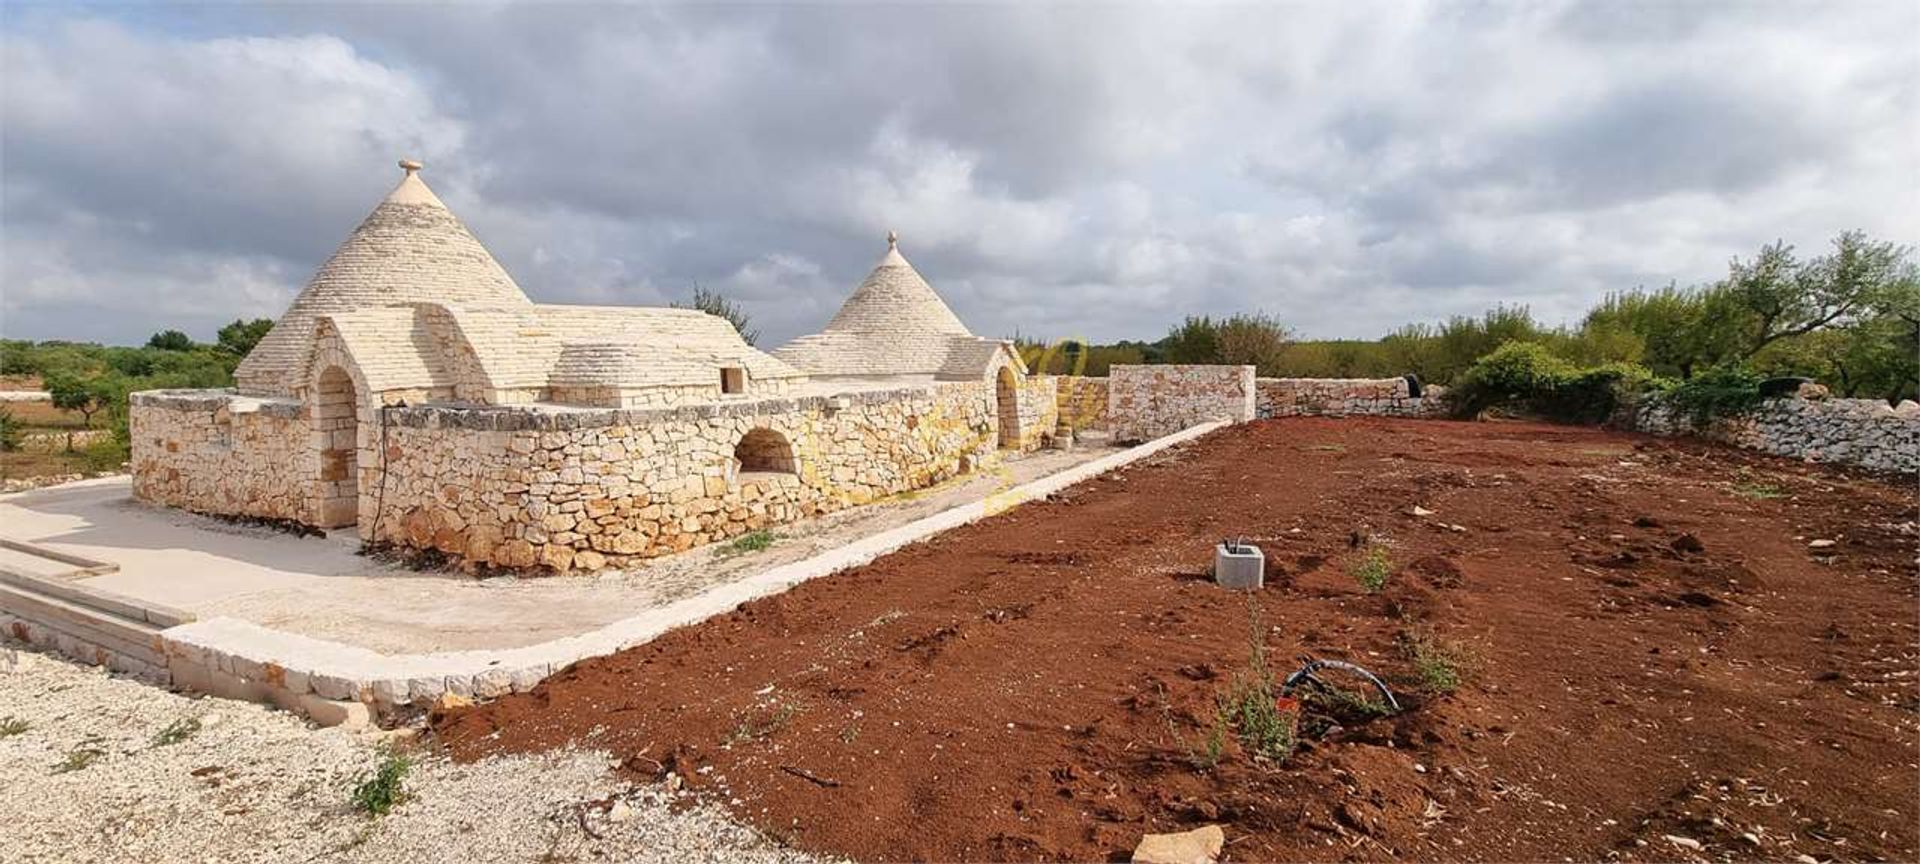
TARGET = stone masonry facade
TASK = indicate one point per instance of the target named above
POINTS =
(587, 489)
(1865, 432)
(1340, 397)
(566, 488)
(213, 452)
(1082, 401)
(1146, 402)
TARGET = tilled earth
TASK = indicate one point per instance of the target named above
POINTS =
(1659, 657)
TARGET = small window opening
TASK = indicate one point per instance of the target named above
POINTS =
(733, 380)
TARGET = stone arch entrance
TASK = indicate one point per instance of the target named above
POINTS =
(764, 451)
(1006, 392)
(336, 437)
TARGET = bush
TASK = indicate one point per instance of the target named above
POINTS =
(1528, 377)
(10, 431)
(1723, 391)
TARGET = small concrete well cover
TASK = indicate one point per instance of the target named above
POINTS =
(1239, 566)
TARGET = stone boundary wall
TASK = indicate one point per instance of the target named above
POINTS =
(1082, 401)
(1863, 432)
(1039, 408)
(1148, 401)
(211, 451)
(335, 683)
(591, 488)
(1340, 397)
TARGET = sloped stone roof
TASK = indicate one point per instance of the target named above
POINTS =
(393, 346)
(411, 248)
(533, 347)
(893, 325)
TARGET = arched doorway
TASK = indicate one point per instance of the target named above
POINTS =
(1006, 393)
(764, 451)
(336, 435)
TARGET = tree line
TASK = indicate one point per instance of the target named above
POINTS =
(1849, 318)
(93, 380)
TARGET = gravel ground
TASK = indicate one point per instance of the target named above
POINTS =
(92, 778)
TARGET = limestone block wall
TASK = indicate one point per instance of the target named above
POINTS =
(1146, 402)
(1039, 411)
(1864, 432)
(1339, 397)
(211, 451)
(588, 488)
(1082, 400)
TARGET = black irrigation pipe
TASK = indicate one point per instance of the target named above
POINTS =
(1305, 674)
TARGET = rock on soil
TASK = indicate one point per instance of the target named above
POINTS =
(89, 780)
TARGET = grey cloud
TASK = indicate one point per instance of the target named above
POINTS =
(1053, 171)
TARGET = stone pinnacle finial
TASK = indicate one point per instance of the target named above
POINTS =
(893, 240)
(410, 165)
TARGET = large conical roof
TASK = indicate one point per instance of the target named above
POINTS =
(410, 249)
(895, 302)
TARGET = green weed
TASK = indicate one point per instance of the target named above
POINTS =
(11, 726)
(752, 541)
(385, 789)
(1373, 570)
(177, 731)
(78, 759)
(1440, 665)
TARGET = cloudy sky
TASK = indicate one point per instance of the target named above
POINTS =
(1088, 171)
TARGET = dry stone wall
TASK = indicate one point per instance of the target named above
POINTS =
(1339, 397)
(1082, 401)
(1864, 432)
(1039, 412)
(585, 489)
(1146, 402)
(213, 452)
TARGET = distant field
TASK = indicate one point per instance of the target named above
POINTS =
(14, 466)
(41, 415)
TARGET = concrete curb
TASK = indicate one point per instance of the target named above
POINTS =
(334, 683)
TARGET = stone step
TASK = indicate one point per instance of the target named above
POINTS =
(135, 639)
(131, 608)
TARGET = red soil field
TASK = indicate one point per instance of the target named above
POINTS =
(1648, 649)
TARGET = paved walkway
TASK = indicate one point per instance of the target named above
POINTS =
(320, 587)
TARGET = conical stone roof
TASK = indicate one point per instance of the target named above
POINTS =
(895, 302)
(410, 249)
(894, 324)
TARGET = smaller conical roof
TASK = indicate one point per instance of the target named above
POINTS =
(895, 301)
(410, 249)
(893, 325)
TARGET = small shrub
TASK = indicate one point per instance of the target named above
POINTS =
(752, 541)
(1373, 570)
(11, 726)
(10, 432)
(385, 789)
(105, 453)
(1440, 665)
(177, 731)
(1252, 705)
(1206, 753)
